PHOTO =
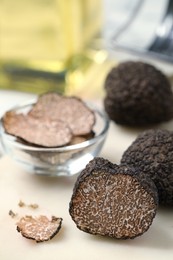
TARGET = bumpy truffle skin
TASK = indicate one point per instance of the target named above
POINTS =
(152, 153)
(112, 200)
(138, 94)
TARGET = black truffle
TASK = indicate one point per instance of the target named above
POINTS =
(138, 94)
(112, 200)
(152, 153)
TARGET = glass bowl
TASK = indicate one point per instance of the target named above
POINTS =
(67, 160)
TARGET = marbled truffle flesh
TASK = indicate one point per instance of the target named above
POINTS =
(53, 121)
(152, 153)
(113, 200)
(77, 115)
(39, 228)
(42, 132)
(138, 94)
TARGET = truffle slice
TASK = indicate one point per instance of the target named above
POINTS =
(113, 200)
(45, 104)
(72, 110)
(37, 131)
(39, 228)
(138, 94)
(152, 153)
(82, 138)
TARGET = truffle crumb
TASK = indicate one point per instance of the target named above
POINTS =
(112, 200)
(33, 206)
(39, 228)
(21, 204)
(12, 214)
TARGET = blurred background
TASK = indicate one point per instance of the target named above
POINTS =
(69, 46)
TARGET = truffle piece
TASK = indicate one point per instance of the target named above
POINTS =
(33, 206)
(21, 204)
(39, 131)
(82, 138)
(39, 228)
(46, 104)
(78, 116)
(12, 214)
(138, 94)
(152, 153)
(112, 200)
(53, 121)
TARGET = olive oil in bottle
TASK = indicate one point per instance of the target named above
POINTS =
(48, 44)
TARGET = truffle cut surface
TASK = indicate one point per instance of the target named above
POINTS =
(39, 228)
(37, 131)
(53, 121)
(111, 201)
(72, 110)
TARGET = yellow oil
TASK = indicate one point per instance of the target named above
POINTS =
(49, 44)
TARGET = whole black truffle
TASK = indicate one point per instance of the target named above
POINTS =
(152, 153)
(138, 94)
(111, 200)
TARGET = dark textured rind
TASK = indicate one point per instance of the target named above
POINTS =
(138, 94)
(152, 153)
(98, 178)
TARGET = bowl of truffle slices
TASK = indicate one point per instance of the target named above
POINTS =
(53, 135)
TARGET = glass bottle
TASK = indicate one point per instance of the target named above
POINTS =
(48, 45)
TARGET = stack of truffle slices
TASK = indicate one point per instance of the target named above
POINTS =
(53, 121)
(121, 201)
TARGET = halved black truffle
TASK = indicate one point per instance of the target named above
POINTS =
(112, 200)
(152, 153)
(138, 94)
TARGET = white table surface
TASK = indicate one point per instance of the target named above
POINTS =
(53, 197)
